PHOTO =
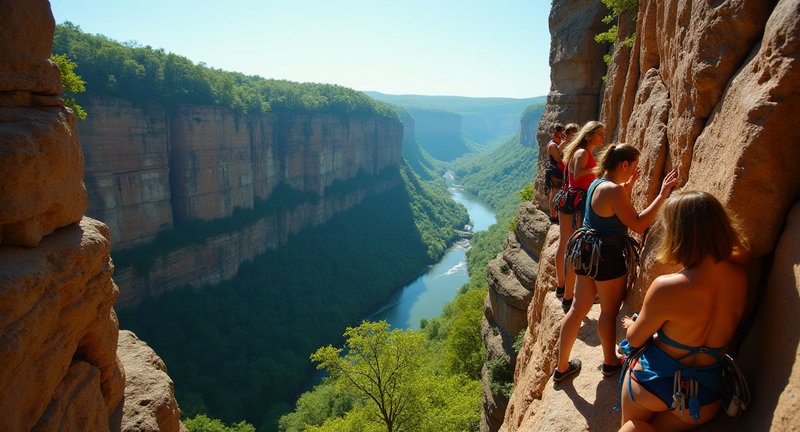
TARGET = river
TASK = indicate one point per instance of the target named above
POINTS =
(426, 296)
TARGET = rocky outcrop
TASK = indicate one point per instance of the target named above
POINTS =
(576, 71)
(149, 403)
(58, 328)
(511, 278)
(39, 152)
(708, 88)
(149, 168)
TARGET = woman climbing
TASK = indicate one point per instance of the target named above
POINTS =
(601, 253)
(569, 202)
(675, 382)
(554, 174)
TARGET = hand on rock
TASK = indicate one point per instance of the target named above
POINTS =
(670, 180)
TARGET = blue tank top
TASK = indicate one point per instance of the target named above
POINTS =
(604, 225)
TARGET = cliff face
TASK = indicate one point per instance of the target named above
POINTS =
(148, 168)
(58, 330)
(151, 169)
(708, 88)
(576, 70)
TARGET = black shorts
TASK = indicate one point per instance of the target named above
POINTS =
(612, 263)
(570, 200)
(599, 257)
(553, 178)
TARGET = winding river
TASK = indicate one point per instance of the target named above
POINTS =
(426, 296)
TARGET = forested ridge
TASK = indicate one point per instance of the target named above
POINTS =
(145, 74)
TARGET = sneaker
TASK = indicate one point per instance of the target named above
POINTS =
(566, 304)
(574, 367)
(560, 292)
(609, 371)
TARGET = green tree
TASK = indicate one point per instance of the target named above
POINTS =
(382, 366)
(201, 423)
(71, 84)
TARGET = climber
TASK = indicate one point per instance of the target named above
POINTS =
(554, 174)
(602, 254)
(698, 307)
(569, 201)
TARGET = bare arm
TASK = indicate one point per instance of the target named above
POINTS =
(623, 208)
(653, 315)
(580, 160)
(553, 150)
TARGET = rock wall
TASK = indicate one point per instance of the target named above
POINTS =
(708, 88)
(576, 71)
(149, 168)
(58, 329)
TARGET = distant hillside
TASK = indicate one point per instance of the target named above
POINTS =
(485, 121)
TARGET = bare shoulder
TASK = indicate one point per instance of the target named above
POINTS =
(668, 285)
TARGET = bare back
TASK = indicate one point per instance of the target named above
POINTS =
(700, 306)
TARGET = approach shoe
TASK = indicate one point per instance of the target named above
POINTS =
(574, 367)
(610, 370)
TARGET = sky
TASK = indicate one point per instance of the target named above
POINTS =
(475, 48)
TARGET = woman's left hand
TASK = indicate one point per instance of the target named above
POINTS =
(627, 322)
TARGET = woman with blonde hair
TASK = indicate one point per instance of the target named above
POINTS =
(602, 254)
(570, 201)
(675, 381)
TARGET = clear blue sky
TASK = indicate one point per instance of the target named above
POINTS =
(477, 48)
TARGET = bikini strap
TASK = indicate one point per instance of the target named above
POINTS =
(715, 352)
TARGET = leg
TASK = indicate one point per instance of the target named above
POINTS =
(671, 420)
(637, 426)
(612, 292)
(565, 231)
(550, 201)
(646, 405)
(571, 323)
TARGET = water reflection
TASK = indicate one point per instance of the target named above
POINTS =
(426, 296)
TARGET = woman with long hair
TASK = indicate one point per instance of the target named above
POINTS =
(601, 253)
(675, 382)
(570, 201)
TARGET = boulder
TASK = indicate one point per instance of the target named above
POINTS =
(149, 404)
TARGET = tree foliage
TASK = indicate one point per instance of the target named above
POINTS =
(144, 74)
(618, 8)
(71, 84)
(389, 368)
(381, 365)
(202, 423)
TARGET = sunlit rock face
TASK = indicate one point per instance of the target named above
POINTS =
(150, 169)
(58, 329)
(576, 71)
(708, 88)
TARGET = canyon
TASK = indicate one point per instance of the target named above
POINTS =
(150, 169)
(707, 88)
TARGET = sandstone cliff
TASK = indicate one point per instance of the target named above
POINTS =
(150, 169)
(708, 88)
(58, 331)
(576, 70)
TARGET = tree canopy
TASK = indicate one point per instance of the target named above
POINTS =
(145, 74)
